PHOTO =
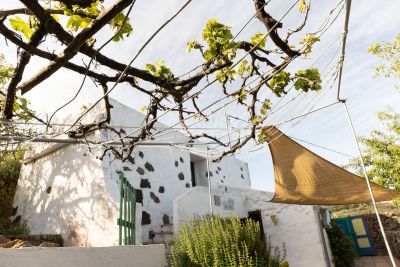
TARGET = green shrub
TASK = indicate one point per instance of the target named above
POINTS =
(8, 228)
(216, 241)
(10, 166)
(341, 246)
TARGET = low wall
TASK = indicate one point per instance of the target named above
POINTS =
(390, 223)
(143, 256)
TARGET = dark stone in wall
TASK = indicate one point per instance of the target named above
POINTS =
(154, 197)
(242, 176)
(144, 183)
(16, 221)
(241, 168)
(122, 131)
(181, 176)
(48, 190)
(14, 210)
(187, 185)
(222, 181)
(216, 172)
(224, 177)
(181, 159)
(139, 196)
(141, 154)
(219, 168)
(140, 170)
(149, 167)
(165, 219)
(131, 159)
(161, 189)
(125, 168)
(151, 234)
(176, 163)
(146, 219)
(210, 173)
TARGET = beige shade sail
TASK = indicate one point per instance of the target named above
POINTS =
(302, 177)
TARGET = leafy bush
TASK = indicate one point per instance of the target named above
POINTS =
(216, 241)
(341, 246)
(10, 165)
(9, 228)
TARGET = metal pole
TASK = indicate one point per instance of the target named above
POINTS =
(369, 187)
(227, 127)
(209, 182)
(345, 30)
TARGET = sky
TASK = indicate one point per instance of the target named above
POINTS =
(370, 22)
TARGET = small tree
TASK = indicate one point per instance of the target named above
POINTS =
(341, 246)
(381, 152)
(216, 241)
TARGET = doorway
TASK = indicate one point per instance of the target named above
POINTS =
(256, 216)
(356, 229)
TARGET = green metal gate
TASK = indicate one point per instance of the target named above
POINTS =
(127, 212)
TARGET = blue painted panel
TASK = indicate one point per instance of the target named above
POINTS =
(362, 251)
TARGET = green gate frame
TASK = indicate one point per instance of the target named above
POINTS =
(127, 212)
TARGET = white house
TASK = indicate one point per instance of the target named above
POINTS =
(66, 189)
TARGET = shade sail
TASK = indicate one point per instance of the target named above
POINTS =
(302, 177)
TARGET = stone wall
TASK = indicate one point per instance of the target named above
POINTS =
(391, 225)
(394, 242)
(20, 241)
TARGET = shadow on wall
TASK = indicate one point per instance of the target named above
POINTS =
(64, 193)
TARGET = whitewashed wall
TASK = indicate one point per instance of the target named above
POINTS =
(67, 193)
(297, 226)
(84, 198)
(162, 173)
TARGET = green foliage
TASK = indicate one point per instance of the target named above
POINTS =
(302, 6)
(381, 152)
(125, 29)
(308, 42)
(258, 39)
(77, 22)
(243, 68)
(279, 82)
(20, 104)
(218, 38)
(381, 149)
(308, 79)
(263, 135)
(6, 71)
(216, 241)
(226, 74)
(194, 44)
(266, 105)
(389, 52)
(8, 228)
(21, 26)
(158, 69)
(341, 246)
(10, 166)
